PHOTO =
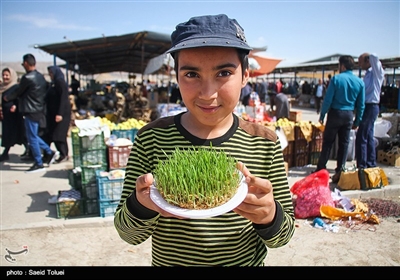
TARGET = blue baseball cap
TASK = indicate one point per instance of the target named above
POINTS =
(208, 31)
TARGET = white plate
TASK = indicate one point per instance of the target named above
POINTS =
(199, 214)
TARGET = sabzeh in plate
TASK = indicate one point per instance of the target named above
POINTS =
(197, 178)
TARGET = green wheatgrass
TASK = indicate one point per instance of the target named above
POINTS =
(200, 178)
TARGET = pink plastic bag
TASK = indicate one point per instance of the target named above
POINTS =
(311, 193)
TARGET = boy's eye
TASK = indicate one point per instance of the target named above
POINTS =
(191, 74)
(224, 73)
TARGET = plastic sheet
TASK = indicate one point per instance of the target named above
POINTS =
(311, 193)
(381, 128)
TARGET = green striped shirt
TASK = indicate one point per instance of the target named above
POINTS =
(225, 240)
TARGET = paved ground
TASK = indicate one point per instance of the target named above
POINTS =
(27, 219)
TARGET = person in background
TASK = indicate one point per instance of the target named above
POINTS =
(175, 94)
(245, 93)
(306, 88)
(210, 74)
(319, 93)
(282, 106)
(344, 95)
(58, 113)
(373, 80)
(272, 92)
(32, 93)
(279, 86)
(293, 89)
(328, 80)
(254, 99)
(262, 90)
(75, 85)
(12, 121)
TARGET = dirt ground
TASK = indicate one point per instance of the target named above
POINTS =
(357, 245)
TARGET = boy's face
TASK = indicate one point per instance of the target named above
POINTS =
(210, 80)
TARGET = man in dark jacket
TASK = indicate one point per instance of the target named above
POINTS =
(32, 93)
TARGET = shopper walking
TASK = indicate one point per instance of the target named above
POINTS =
(12, 121)
(32, 93)
(344, 95)
(373, 80)
(58, 113)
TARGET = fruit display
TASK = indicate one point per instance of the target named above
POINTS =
(284, 122)
(131, 123)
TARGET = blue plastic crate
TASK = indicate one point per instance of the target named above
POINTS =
(109, 189)
(125, 133)
(108, 208)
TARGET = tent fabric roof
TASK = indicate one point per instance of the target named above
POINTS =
(267, 65)
(125, 53)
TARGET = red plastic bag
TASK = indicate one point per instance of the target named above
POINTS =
(311, 193)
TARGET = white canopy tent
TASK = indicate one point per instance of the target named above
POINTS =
(161, 64)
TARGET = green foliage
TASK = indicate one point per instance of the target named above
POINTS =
(197, 178)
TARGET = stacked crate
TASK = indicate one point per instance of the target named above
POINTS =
(70, 207)
(75, 179)
(315, 145)
(118, 156)
(110, 190)
(88, 150)
(288, 151)
(288, 154)
(301, 148)
(89, 155)
(125, 133)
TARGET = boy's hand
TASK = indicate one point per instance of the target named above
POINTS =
(143, 184)
(259, 204)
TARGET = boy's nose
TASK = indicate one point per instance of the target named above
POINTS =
(208, 90)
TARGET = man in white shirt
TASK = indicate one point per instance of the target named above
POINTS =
(373, 80)
(319, 93)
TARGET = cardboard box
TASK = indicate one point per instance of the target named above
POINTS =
(295, 116)
(388, 158)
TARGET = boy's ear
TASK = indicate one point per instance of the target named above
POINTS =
(246, 76)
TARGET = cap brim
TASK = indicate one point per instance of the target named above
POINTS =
(209, 42)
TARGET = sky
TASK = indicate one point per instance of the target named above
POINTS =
(294, 31)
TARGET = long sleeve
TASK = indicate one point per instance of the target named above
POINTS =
(373, 80)
(360, 106)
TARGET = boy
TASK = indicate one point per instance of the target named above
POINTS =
(211, 64)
